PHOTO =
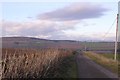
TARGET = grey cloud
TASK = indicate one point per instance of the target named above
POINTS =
(76, 11)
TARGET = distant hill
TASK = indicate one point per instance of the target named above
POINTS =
(30, 42)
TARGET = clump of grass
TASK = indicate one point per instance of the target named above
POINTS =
(32, 63)
(106, 62)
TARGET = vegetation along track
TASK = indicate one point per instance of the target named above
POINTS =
(33, 63)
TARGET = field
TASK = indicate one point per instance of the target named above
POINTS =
(98, 46)
(28, 42)
(34, 63)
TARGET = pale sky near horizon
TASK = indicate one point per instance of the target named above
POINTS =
(70, 20)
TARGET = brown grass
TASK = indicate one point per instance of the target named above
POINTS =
(32, 63)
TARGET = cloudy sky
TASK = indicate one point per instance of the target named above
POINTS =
(70, 20)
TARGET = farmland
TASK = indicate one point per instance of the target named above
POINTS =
(29, 42)
(27, 57)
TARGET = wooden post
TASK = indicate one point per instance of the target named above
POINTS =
(115, 56)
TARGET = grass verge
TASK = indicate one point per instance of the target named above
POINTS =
(111, 56)
(68, 68)
(104, 61)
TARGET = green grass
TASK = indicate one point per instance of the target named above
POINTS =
(72, 70)
(69, 70)
(104, 60)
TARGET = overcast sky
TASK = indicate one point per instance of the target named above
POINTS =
(70, 20)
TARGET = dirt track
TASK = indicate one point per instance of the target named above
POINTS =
(89, 69)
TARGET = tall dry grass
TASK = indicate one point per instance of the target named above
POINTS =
(32, 63)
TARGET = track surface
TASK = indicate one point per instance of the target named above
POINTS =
(89, 69)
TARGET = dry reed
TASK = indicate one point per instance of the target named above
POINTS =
(32, 63)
